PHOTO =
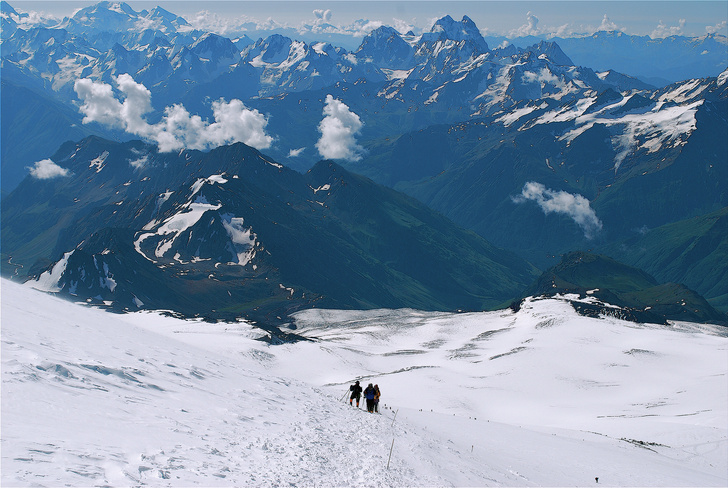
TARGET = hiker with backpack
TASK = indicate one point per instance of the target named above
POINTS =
(355, 390)
(377, 394)
(369, 394)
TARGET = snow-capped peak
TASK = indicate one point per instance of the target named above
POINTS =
(723, 78)
(458, 31)
(159, 12)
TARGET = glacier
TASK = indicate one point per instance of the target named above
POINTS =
(541, 396)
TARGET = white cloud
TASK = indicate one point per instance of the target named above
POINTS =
(139, 163)
(431, 23)
(358, 28)
(362, 28)
(144, 23)
(177, 129)
(574, 205)
(46, 169)
(338, 130)
(235, 123)
(714, 29)
(322, 16)
(268, 24)
(99, 104)
(30, 19)
(231, 25)
(530, 28)
(608, 25)
(560, 31)
(294, 153)
(544, 76)
(402, 26)
(663, 30)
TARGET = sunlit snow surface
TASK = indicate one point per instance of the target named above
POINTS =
(543, 397)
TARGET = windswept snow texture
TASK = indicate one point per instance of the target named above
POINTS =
(542, 397)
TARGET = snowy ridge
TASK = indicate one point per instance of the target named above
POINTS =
(285, 65)
(458, 68)
(165, 233)
(540, 397)
(243, 239)
(49, 280)
(652, 130)
(77, 271)
(664, 120)
(453, 52)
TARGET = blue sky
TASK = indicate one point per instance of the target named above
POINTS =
(496, 18)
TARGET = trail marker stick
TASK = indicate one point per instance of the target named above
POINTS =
(390, 453)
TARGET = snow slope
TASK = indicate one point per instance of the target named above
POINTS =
(541, 397)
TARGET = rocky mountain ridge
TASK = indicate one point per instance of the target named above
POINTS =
(532, 152)
(232, 232)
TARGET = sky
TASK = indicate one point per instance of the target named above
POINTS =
(494, 18)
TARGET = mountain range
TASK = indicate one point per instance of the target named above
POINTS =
(509, 155)
(232, 232)
(448, 74)
(659, 61)
(596, 170)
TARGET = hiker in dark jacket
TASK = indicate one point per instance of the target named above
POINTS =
(377, 394)
(355, 393)
(369, 394)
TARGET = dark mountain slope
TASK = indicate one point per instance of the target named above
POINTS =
(634, 161)
(640, 296)
(692, 251)
(231, 232)
(33, 126)
(414, 241)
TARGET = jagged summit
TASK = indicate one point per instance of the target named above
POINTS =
(383, 32)
(385, 47)
(108, 15)
(552, 51)
(457, 31)
(212, 45)
(120, 17)
(160, 13)
(465, 30)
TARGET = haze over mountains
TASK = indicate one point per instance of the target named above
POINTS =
(515, 156)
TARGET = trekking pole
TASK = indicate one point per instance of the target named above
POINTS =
(344, 397)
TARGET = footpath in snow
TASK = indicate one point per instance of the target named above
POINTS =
(542, 397)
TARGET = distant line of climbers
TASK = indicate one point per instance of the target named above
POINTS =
(371, 394)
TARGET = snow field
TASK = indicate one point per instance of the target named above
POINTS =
(542, 397)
